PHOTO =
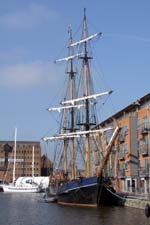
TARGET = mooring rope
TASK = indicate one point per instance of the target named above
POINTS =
(124, 198)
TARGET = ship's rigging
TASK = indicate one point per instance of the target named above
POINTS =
(79, 111)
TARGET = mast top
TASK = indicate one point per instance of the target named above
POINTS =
(84, 12)
(69, 28)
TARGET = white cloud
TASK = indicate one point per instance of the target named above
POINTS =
(29, 17)
(28, 75)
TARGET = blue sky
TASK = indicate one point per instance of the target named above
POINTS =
(33, 34)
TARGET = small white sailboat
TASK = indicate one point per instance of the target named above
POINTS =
(22, 184)
(13, 188)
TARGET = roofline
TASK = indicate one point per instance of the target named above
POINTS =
(128, 108)
(20, 142)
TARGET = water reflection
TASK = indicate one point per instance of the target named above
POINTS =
(29, 209)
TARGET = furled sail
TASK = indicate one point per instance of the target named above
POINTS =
(85, 39)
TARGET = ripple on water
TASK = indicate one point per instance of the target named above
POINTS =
(29, 209)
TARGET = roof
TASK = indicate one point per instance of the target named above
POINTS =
(127, 109)
(20, 142)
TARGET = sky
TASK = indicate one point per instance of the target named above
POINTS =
(33, 33)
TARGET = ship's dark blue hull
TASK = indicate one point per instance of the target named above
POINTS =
(86, 192)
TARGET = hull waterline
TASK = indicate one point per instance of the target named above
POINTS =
(87, 192)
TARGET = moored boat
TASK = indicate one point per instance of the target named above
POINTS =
(24, 184)
(11, 188)
(86, 186)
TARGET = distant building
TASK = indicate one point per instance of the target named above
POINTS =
(129, 162)
(23, 164)
(46, 166)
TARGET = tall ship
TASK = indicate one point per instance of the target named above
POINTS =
(79, 177)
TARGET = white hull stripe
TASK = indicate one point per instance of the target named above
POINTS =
(88, 185)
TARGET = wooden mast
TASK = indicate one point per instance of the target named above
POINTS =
(65, 147)
(86, 81)
(72, 96)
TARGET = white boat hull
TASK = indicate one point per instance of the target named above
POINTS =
(26, 185)
(19, 189)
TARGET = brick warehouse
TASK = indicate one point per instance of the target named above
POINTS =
(23, 159)
(129, 162)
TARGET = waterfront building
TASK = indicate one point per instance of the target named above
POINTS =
(24, 159)
(129, 162)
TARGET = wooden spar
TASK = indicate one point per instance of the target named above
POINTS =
(76, 134)
(65, 107)
(109, 148)
(94, 96)
(86, 39)
(68, 58)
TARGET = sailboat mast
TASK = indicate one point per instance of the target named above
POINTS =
(33, 162)
(72, 96)
(86, 81)
(14, 166)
